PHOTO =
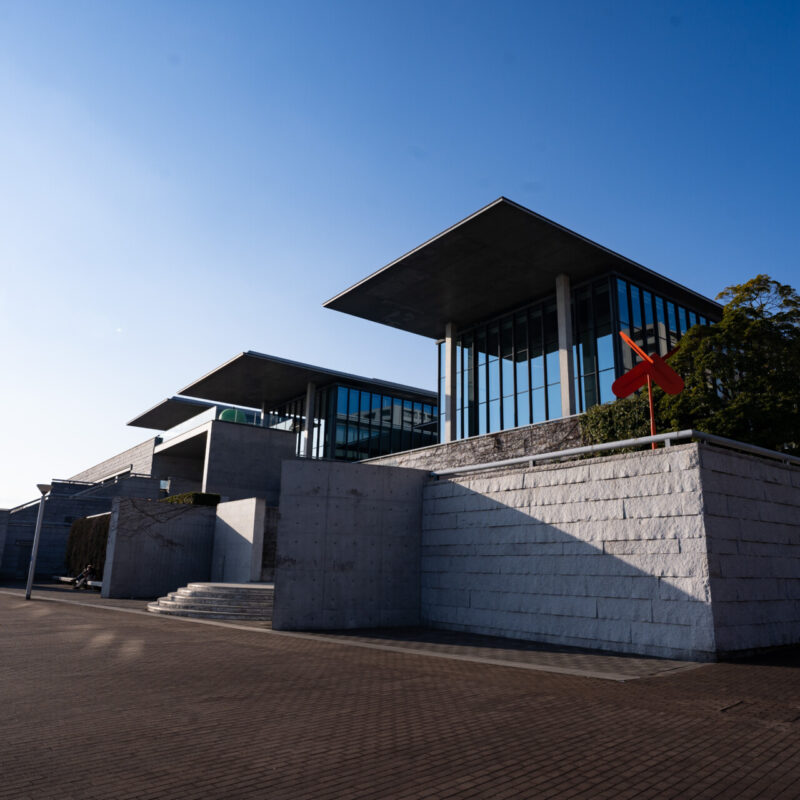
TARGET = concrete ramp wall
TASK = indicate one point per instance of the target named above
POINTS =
(348, 546)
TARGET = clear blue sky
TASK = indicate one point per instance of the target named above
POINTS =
(182, 181)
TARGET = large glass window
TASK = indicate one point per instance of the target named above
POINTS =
(509, 368)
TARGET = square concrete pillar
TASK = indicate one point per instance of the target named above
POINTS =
(567, 373)
(307, 448)
(450, 382)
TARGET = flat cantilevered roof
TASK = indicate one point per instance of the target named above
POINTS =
(498, 259)
(256, 379)
(170, 412)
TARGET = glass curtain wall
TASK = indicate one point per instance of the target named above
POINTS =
(652, 321)
(507, 371)
(368, 424)
(351, 424)
(290, 416)
(508, 368)
(593, 348)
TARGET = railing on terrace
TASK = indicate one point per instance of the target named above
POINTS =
(89, 485)
(666, 438)
(240, 416)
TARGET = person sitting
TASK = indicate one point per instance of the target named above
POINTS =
(83, 579)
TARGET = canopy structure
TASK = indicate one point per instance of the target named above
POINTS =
(495, 260)
(257, 380)
(169, 413)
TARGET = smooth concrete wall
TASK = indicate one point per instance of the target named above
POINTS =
(270, 544)
(140, 458)
(605, 553)
(154, 548)
(348, 546)
(238, 541)
(752, 523)
(245, 461)
(543, 437)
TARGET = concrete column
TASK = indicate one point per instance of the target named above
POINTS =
(564, 312)
(207, 458)
(264, 411)
(307, 443)
(450, 382)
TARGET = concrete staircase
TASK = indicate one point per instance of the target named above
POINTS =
(252, 601)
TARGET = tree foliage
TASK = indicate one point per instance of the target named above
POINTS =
(742, 375)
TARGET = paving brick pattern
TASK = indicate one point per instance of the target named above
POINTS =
(103, 704)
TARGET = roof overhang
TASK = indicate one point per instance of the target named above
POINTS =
(257, 380)
(169, 413)
(498, 259)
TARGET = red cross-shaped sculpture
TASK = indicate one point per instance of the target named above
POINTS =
(651, 368)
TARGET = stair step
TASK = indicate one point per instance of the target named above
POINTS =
(232, 587)
(254, 597)
(222, 601)
(232, 607)
(156, 608)
(246, 601)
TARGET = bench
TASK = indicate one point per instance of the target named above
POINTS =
(91, 584)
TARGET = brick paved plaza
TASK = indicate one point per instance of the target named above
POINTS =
(100, 703)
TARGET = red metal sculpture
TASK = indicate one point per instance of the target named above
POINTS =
(651, 368)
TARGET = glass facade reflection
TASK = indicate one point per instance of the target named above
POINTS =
(351, 424)
(653, 322)
(508, 368)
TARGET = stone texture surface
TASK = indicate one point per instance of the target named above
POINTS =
(153, 548)
(544, 437)
(348, 546)
(605, 552)
(140, 458)
(753, 532)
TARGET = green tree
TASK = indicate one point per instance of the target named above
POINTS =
(742, 375)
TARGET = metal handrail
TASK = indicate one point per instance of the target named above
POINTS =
(667, 438)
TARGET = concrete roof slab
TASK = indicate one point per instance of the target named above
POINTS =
(499, 258)
(254, 379)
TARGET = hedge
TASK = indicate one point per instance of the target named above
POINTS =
(193, 499)
(87, 542)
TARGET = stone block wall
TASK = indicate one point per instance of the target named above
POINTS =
(348, 546)
(544, 437)
(752, 519)
(606, 552)
(139, 457)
